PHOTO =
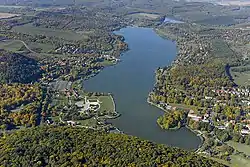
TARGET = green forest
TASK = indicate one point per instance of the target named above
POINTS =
(16, 67)
(64, 146)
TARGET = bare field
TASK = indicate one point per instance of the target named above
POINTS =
(7, 15)
(235, 3)
(146, 15)
(225, 2)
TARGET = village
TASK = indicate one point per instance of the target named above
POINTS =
(218, 120)
(73, 106)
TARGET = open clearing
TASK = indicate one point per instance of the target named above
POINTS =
(106, 103)
(239, 161)
(16, 45)
(44, 48)
(241, 78)
(29, 29)
(240, 147)
(13, 46)
(7, 15)
(145, 15)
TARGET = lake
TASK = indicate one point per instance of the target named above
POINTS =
(131, 80)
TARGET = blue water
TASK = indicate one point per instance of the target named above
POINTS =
(130, 82)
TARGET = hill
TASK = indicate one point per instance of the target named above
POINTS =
(63, 146)
(17, 68)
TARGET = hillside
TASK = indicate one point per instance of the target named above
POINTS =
(17, 68)
(62, 146)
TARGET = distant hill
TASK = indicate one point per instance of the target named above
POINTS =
(67, 146)
(17, 68)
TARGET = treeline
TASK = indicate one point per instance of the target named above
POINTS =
(62, 146)
(18, 68)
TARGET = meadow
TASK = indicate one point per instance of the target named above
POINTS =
(30, 29)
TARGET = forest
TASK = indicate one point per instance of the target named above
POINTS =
(64, 146)
(19, 105)
(16, 67)
(172, 120)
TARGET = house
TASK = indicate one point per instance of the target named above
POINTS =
(221, 127)
(245, 131)
(71, 123)
(194, 116)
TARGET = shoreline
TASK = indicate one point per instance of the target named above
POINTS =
(186, 126)
(153, 29)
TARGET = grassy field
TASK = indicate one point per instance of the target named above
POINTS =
(7, 15)
(88, 122)
(241, 78)
(221, 49)
(13, 46)
(236, 161)
(220, 161)
(239, 161)
(107, 63)
(106, 103)
(145, 15)
(240, 147)
(45, 48)
(29, 29)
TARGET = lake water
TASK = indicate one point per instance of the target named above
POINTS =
(130, 82)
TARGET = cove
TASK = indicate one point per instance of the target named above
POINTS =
(131, 80)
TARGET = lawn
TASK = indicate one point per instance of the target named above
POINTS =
(239, 161)
(45, 48)
(28, 28)
(106, 103)
(220, 161)
(7, 15)
(107, 63)
(145, 15)
(88, 122)
(13, 46)
(241, 78)
(240, 147)
(221, 49)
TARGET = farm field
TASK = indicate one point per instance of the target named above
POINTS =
(44, 48)
(145, 15)
(7, 15)
(13, 46)
(29, 29)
